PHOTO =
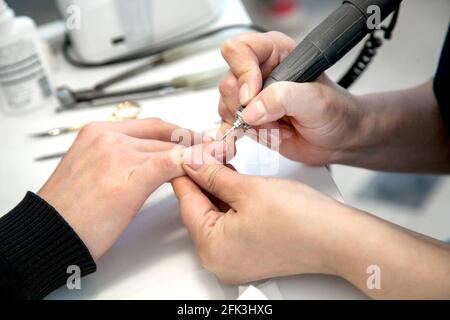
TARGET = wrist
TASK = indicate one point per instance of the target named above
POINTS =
(338, 239)
(323, 234)
(341, 240)
(368, 126)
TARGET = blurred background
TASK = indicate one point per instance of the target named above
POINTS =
(421, 203)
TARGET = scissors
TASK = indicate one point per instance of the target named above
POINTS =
(128, 110)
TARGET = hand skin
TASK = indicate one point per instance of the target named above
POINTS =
(257, 235)
(390, 131)
(107, 175)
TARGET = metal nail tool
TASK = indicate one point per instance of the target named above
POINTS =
(128, 110)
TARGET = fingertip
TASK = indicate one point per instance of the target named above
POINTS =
(227, 48)
(244, 94)
(251, 85)
(218, 150)
(255, 113)
(207, 139)
(205, 154)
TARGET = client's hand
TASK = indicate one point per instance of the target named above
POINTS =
(107, 175)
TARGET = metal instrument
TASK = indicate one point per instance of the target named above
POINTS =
(128, 110)
(73, 100)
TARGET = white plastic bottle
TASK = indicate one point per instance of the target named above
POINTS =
(24, 76)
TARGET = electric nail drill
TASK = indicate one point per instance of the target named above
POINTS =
(341, 31)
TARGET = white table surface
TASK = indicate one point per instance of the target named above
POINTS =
(155, 257)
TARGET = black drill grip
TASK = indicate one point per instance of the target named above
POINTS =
(330, 41)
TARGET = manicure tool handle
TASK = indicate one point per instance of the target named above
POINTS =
(331, 40)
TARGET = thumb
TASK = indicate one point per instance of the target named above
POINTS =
(219, 180)
(303, 101)
(159, 168)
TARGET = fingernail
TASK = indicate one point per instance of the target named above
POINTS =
(192, 158)
(254, 112)
(217, 150)
(286, 134)
(195, 166)
(207, 138)
(244, 94)
(196, 157)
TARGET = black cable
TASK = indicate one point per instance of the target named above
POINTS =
(368, 52)
(362, 62)
(148, 53)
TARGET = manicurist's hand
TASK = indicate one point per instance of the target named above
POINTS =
(321, 123)
(322, 116)
(107, 175)
(249, 228)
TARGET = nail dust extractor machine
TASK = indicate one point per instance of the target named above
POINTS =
(105, 30)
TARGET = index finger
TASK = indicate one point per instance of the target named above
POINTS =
(244, 55)
(156, 129)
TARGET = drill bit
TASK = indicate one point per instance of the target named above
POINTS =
(229, 131)
(239, 123)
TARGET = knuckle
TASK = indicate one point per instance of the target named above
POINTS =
(166, 162)
(224, 112)
(228, 47)
(227, 85)
(223, 90)
(155, 121)
(108, 139)
(280, 35)
(277, 92)
(247, 37)
(275, 34)
(91, 129)
(320, 95)
(212, 174)
(277, 38)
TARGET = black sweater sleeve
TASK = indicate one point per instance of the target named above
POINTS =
(36, 247)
